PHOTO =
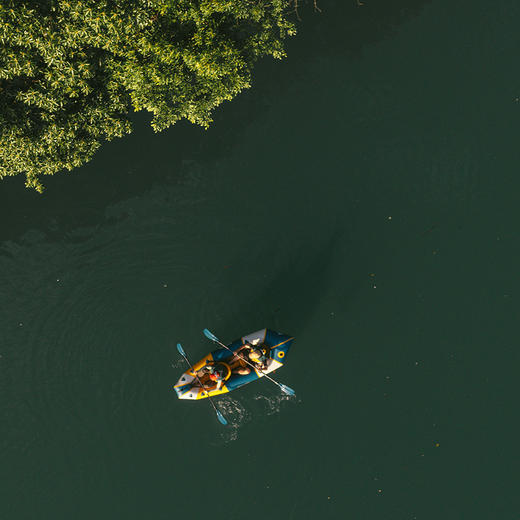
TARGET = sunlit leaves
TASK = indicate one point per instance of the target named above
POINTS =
(70, 71)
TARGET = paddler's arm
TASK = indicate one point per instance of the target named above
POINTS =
(201, 371)
(236, 353)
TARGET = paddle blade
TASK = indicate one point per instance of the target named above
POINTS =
(287, 390)
(181, 350)
(221, 418)
(209, 335)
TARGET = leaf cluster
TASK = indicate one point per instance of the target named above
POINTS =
(72, 70)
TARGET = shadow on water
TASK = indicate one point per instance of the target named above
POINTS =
(293, 292)
(127, 167)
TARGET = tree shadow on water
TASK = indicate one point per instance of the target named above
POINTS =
(130, 166)
(121, 169)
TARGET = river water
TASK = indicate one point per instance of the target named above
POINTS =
(362, 196)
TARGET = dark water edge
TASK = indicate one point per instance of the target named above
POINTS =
(362, 197)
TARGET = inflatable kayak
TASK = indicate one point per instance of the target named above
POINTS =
(274, 346)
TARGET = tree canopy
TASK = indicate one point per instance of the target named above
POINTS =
(72, 70)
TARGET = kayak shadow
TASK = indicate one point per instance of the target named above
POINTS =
(288, 301)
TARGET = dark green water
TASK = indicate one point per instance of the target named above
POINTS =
(362, 197)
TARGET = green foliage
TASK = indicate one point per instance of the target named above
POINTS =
(72, 70)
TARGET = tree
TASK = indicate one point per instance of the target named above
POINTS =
(72, 70)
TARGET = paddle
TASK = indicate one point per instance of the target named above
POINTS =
(220, 417)
(285, 388)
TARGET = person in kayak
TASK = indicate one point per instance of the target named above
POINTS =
(215, 373)
(254, 355)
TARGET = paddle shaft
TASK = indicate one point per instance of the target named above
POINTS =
(200, 382)
(250, 364)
